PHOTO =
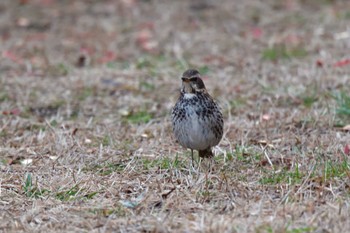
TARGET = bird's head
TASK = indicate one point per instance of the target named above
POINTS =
(192, 82)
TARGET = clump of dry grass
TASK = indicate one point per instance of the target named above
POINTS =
(85, 138)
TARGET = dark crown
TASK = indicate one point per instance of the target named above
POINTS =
(190, 73)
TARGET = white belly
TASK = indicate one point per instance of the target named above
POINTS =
(195, 133)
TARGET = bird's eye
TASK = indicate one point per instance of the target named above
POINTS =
(194, 79)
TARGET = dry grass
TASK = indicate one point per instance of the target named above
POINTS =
(90, 148)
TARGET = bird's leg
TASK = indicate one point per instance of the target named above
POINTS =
(192, 157)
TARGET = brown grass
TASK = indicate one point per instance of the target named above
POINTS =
(86, 89)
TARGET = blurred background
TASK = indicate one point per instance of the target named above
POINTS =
(51, 37)
(86, 91)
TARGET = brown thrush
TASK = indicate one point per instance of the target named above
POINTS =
(196, 118)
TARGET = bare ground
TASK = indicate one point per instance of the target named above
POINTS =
(85, 96)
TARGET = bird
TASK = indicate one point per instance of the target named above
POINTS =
(196, 118)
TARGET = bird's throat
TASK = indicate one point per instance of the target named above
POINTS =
(189, 95)
(187, 89)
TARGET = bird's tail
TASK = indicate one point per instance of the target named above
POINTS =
(207, 153)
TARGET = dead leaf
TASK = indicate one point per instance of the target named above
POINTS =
(14, 112)
(81, 62)
(256, 32)
(145, 37)
(346, 128)
(87, 141)
(11, 56)
(342, 63)
(23, 22)
(87, 50)
(266, 117)
(108, 56)
(342, 35)
(75, 130)
(265, 143)
(26, 161)
(319, 63)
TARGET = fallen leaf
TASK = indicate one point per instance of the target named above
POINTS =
(74, 131)
(265, 143)
(346, 128)
(124, 112)
(145, 37)
(13, 57)
(148, 155)
(264, 162)
(81, 62)
(108, 56)
(342, 63)
(87, 50)
(319, 63)
(26, 161)
(91, 150)
(30, 151)
(342, 35)
(14, 112)
(87, 141)
(256, 32)
(23, 22)
(266, 117)
(149, 46)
